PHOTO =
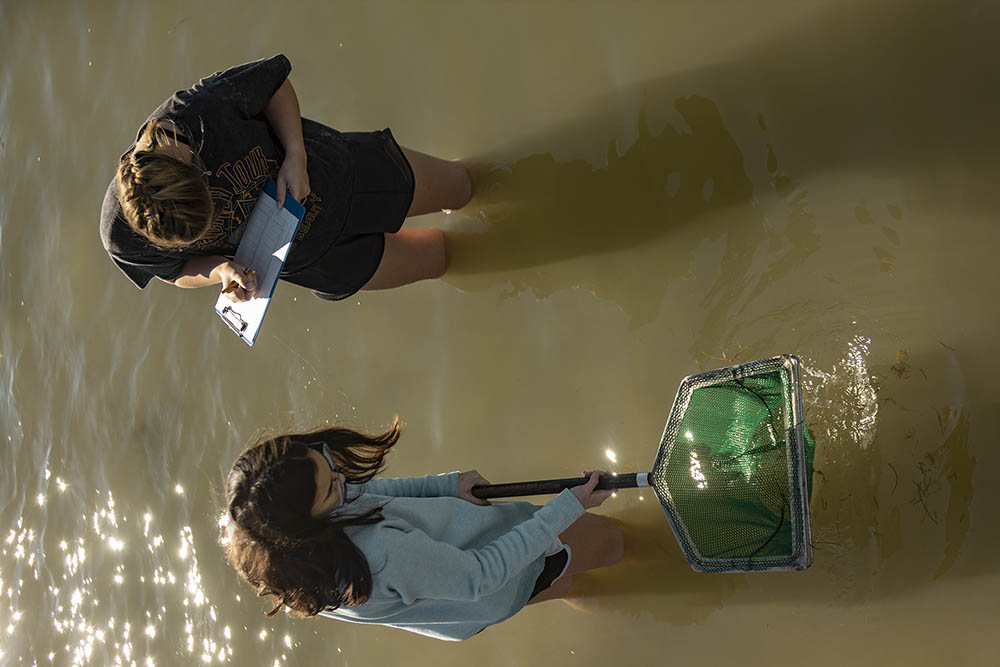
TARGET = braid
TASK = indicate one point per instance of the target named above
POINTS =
(142, 214)
(163, 198)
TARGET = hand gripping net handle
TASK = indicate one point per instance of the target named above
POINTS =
(549, 486)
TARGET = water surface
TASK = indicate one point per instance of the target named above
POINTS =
(664, 188)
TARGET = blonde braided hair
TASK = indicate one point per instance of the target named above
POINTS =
(163, 198)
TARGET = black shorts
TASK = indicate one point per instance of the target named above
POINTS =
(554, 566)
(380, 199)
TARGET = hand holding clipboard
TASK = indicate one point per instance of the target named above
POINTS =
(263, 249)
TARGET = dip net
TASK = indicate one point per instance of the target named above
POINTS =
(734, 468)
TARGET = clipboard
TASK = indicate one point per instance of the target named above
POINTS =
(264, 248)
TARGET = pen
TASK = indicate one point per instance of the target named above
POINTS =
(233, 284)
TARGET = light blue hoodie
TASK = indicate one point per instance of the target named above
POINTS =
(442, 566)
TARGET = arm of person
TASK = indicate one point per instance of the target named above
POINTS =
(427, 486)
(213, 270)
(282, 113)
(453, 484)
(420, 567)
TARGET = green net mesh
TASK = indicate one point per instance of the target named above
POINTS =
(734, 469)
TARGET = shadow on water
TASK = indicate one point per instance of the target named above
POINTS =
(550, 211)
(558, 225)
(845, 89)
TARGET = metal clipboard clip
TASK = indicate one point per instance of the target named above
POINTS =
(234, 320)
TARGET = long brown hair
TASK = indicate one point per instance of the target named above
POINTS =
(271, 540)
(163, 198)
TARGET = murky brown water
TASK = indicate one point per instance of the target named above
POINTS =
(664, 187)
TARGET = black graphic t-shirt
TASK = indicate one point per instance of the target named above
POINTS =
(223, 118)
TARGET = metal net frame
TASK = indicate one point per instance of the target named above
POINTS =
(763, 499)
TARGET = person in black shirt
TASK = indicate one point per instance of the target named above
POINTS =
(180, 200)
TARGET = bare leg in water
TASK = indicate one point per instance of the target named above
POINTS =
(418, 254)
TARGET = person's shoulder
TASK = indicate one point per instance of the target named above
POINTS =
(185, 101)
(111, 194)
(375, 541)
(177, 106)
(111, 210)
(235, 80)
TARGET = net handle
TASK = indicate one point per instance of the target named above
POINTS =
(548, 486)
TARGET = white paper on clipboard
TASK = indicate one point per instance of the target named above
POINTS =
(264, 247)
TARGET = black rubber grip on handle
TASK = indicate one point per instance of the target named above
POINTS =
(547, 486)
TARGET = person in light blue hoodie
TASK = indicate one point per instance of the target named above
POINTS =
(307, 523)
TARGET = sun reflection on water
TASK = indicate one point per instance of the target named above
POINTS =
(847, 395)
(55, 580)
